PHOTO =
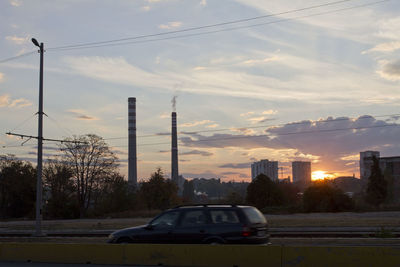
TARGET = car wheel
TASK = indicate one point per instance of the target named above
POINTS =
(215, 242)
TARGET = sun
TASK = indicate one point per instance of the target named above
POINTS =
(319, 175)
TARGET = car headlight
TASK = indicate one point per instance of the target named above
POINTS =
(111, 236)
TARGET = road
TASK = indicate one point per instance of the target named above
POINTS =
(39, 264)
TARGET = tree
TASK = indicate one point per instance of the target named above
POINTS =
(90, 159)
(115, 195)
(262, 192)
(188, 191)
(390, 183)
(377, 185)
(322, 197)
(233, 198)
(159, 193)
(290, 193)
(60, 190)
(17, 188)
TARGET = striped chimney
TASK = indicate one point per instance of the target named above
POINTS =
(174, 151)
(132, 159)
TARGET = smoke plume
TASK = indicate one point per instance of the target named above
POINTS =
(173, 101)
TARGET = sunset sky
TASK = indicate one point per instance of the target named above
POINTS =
(307, 83)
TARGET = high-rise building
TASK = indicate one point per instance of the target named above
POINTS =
(132, 160)
(301, 172)
(390, 165)
(366, 163)
(266, 167)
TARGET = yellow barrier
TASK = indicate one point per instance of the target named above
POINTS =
(200, 255)
(341, 256)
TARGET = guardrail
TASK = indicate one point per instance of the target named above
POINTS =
(274, 232)
(201, 255)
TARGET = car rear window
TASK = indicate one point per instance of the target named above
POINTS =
(254, 215)
(224, 216)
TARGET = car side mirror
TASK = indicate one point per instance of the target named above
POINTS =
(149, 227)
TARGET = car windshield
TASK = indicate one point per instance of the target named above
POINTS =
(254, 215)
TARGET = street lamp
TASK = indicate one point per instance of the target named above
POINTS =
(40, 144)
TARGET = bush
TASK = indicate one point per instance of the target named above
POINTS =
(321, 197)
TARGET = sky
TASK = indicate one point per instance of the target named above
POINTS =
(291, 80)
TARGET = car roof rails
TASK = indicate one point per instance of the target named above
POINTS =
(203, 205)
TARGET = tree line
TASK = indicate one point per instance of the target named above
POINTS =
(84, 182)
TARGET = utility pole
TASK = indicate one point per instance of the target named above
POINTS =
(40, 145)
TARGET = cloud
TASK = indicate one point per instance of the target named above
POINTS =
(261, 119)
(6, 101)
(170, 25)
(212, 125)
(327, 143)
(252, 62)
(270, 112)
(203, 2)
(196, 123)
(247, 114)
(390, 70)
(230, 82)
(389, 28)
(236, 165)
(17, 40)
(80, 115)
(197, 152)
(165, 115)
(354, 157)
(1, 77)
(146, 8)
(15, 3)
(384, 47)
(116, 70)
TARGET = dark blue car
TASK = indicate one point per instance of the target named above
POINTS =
(200, 224)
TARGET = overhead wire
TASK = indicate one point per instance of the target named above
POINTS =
(259, 126)
(274, 135)
(199, 27)
(17, 57)
(207, 32)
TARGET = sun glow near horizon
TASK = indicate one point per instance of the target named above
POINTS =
(320, 175)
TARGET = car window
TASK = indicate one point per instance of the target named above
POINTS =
(224, 216)
(166, 220)
(254, 215)
(193, 218)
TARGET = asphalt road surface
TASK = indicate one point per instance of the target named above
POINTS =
(39, 264)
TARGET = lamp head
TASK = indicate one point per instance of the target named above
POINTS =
(35, 42)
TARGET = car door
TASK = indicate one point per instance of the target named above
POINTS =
(192, 227)
(225, 223)
(160, 229)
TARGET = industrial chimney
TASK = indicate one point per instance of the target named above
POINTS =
(174, 151)
(132, 160)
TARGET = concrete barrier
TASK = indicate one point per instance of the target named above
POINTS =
(200, 255)
(340, 256)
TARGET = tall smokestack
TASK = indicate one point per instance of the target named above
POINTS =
(132, 160)
(174, 151)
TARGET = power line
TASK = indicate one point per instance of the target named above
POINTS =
(275, 134)
(112, 43)
(199, 27)
(17, 57)
(261, 126)
(45, 139)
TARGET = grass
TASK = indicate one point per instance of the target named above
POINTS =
(371, 219)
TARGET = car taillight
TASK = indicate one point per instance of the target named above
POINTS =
(246, 231)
